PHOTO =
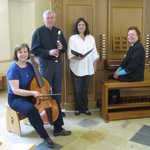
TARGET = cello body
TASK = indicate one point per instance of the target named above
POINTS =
(44, 103)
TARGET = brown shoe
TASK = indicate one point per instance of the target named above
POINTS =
(49, 142)
(63, 132)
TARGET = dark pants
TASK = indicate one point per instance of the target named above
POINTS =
(81, 86)
(25, 106)
(114, 96)
(53, 73)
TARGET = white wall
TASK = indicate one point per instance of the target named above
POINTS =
(18, 20)
(21, 21)
(4, 32)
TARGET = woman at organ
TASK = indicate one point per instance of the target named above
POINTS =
(132, 67)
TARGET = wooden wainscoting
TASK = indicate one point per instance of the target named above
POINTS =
(108, 22)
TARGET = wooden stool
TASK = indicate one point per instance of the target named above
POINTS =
(32, 147)
(13, 121)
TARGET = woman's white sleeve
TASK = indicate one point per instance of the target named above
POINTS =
(70, 46)
(95, 52)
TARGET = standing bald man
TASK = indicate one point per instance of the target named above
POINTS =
(48, 49)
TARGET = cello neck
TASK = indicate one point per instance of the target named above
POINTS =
(36, 71)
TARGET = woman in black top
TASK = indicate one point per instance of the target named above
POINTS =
(132, 67)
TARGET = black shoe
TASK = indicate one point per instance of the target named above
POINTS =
(49, 142)
(77, 113)
(87, 113)
(63, 132)
(63, 114)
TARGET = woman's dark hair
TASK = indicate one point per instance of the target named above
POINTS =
(136, 30)
(18, 48)
(75, 31)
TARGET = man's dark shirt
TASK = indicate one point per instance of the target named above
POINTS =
(44, 40)
(134, 63)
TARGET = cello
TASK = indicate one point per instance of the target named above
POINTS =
(45, 104)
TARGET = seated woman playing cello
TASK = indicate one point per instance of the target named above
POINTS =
(19, 76)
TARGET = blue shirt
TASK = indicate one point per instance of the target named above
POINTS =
(24, 75)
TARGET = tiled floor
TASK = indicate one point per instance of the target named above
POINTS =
(142, 136)
(88, 133)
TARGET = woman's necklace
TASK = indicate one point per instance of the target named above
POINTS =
(82, 37)
(21, 65)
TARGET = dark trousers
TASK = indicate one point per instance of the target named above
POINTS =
(81, 86)
(114, 96)
(25, 106)
(53, 73)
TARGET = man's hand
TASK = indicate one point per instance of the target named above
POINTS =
(116, 75)
(59, 45)
(54, 52)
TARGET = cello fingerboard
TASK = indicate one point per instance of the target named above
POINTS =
(36, 71)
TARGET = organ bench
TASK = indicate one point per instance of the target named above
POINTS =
(127, 109)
